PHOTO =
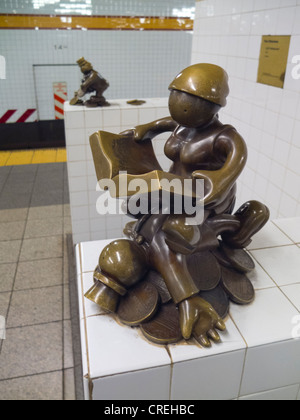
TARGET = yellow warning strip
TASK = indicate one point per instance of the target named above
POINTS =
(30, 157)
(44, 156)
(95, 22)
(4, 156)
(20, 158)
(61, 155)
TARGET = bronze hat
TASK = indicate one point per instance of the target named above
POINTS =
(206, 81)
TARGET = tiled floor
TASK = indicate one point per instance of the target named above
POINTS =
(36, 358)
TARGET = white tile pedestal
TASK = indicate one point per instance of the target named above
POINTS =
(258, 359)
(80, 124)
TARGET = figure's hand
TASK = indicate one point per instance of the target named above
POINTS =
(198, 318)
(80, 93)
(138, 133)
(214, 185)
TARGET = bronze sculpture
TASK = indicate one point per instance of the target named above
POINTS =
(92, 82)
(172, 278)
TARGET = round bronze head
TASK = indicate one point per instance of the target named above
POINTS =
(191, 111)
(206, 81)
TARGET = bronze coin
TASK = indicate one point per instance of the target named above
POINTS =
(139, 305)
(221, 258)
(156, 279)
(237, 286)
(136, 102)
(239, 259)
(164, 328)
(218, 300)
(205, 270)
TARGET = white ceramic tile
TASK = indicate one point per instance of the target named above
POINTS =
(79, 213)
(292, 292)
(78, 198)
(231, 341)
(293, 161)
(76, 153)
(267, 320)
(93, 117)
(288, 393)
(77, 184)
(282, 263)
(80, 226)
(129, 118)
(289, 103)
(111, 118)
(285, 128)
(296, 137)
(288, 206)
(268, 237)
(84, 352)
(259, 278)
(122, 348)
(75, 136)
(74, 120)
(291, 227)
(147, 115)
(98, 234)
(76, 169)
(80, 296)
(148, 385)
(286, 21)
(188, 377)
(272, 366)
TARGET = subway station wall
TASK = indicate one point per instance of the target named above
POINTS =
(138, 53)
(229, 33)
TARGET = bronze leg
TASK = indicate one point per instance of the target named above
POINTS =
(173, 268)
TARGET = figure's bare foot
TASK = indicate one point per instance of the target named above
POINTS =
(198, 318)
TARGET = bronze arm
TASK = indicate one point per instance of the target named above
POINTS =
(89, 81)
(220, 182)
(149, 131)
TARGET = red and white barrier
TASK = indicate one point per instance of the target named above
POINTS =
(60, 97)
(18, 116)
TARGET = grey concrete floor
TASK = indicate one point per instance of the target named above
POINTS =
(36, 358)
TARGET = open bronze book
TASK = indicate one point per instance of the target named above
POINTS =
(126, 162)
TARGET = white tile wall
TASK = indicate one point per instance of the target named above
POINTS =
(101, 7)
(258, 358)
(228, 33)
(80, 124)
(136, 63)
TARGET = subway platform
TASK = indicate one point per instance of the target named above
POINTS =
(36, 358)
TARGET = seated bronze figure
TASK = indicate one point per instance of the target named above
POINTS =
(92, 82)
(172, 279)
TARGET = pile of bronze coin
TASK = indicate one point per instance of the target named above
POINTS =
(221, 275)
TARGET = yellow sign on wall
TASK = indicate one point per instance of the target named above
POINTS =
(273, 60)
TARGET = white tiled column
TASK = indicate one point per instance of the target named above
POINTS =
(258, 357)
(80, 124)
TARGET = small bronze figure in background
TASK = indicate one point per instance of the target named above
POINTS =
(171, 278)
(92, 82)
